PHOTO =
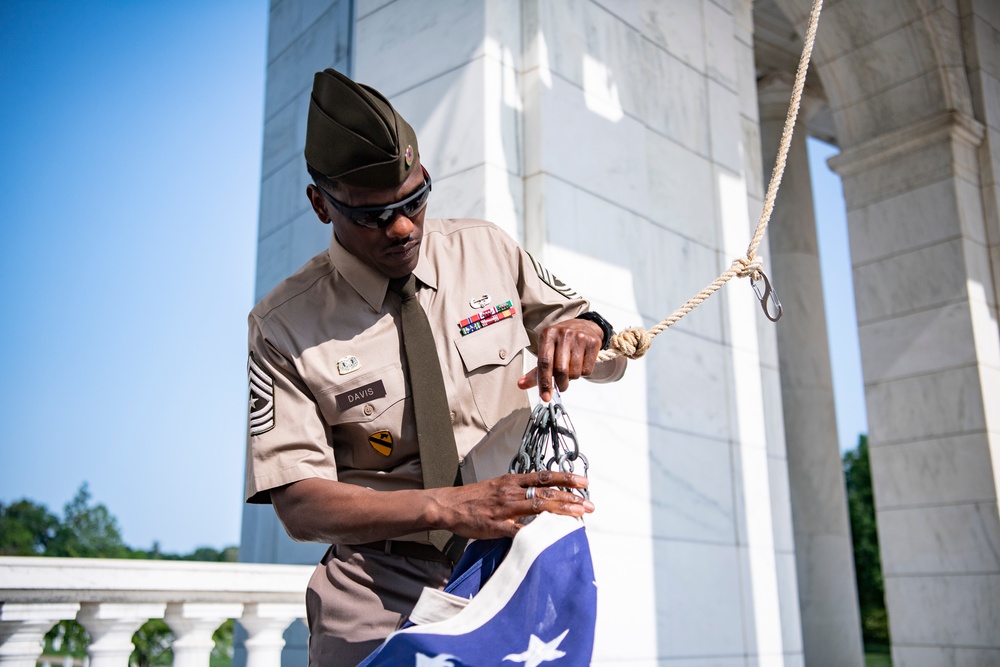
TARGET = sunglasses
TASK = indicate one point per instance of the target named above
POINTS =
(380, 217)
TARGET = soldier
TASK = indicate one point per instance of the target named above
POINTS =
(386, 387)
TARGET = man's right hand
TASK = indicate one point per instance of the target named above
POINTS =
(321, 510)
(497, 507)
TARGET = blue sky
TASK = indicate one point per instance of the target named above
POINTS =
(838, 295)
(130, 137)
(130, 133)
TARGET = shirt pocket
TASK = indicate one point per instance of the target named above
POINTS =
(367, 406)
(363, 398)
(488, 355)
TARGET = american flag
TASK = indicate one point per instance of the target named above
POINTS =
(528, 602)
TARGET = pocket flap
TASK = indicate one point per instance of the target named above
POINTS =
(494, 345)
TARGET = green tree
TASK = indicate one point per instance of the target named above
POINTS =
(864, 535)
(87, 531)
(227, 555)
(67, 638)
(152, 644)
(222, 652)
(26, 528)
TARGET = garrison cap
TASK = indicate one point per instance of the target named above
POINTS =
(355, 136)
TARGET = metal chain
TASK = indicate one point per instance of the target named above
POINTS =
(549, 443)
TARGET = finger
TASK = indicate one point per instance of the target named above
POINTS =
(590, 360)
(557, 478)
(529, 379)
(546, 350)
(575, 364)
(590, 348)
(556, 501)
(562, 363)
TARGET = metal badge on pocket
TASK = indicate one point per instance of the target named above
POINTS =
(348, 365)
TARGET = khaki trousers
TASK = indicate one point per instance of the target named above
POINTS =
(357, 597)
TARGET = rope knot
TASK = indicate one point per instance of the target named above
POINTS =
(632, 342)
(747, 267)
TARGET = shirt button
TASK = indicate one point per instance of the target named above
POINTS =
(461, 461)
(452, 416)
(369, 410)
(503, 354)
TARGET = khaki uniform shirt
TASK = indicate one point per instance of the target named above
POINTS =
(328, 379)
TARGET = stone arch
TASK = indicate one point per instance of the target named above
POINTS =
(872, 60)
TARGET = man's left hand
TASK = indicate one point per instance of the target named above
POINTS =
(566, 351)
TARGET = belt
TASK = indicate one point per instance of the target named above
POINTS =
(406, 549)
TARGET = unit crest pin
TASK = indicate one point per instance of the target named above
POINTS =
(348, 365)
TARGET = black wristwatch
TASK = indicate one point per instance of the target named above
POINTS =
(606, 327)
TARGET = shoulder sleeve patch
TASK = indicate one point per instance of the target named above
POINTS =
(261, 397)
(549, 279)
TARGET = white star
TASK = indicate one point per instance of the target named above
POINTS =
(253, 402)
(443, 660)
(539, 651)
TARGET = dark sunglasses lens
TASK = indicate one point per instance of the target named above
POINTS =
(371, 220)
(414, 206)
(383, 217)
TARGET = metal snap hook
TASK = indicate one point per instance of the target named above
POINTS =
(768, 297)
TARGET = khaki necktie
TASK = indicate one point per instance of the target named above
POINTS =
(435, 438)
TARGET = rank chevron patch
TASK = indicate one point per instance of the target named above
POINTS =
(261, 398)
(549, 279)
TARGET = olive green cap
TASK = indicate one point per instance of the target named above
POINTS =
(354, 136)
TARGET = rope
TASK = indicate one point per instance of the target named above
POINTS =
(635, 341)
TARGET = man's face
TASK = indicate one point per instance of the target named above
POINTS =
(392, 250)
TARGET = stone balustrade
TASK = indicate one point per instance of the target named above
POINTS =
(112, 598)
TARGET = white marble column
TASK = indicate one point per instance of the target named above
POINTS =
(265, 624)
(831, 626)
(111, 626)
(23, 626)
(193, 624)
(930, 349)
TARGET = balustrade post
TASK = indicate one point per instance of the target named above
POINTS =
(111, 626)
(193, 624)
(265, 624)
(23, 626)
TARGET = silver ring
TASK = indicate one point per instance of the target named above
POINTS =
(530, 493)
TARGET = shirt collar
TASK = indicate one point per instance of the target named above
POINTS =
(372, 285)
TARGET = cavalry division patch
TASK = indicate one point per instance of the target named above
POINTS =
(546, 277)
(381, 442)
(261, 398)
